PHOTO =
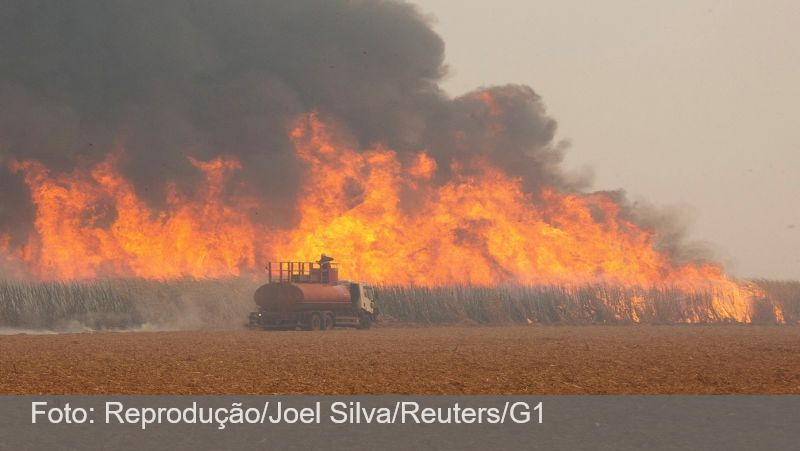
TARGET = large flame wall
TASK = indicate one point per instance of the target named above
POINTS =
(387, 221)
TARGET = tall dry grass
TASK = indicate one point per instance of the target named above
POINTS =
(126, 304)
(785, 293)
(587, 304)
(224, 304)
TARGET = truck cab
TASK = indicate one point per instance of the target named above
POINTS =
(362, 296)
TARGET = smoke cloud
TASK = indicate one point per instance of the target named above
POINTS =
(165, 79)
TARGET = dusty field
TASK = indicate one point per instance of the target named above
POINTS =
(441, 360)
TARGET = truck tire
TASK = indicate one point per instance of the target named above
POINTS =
(328, 321)
(315, 322)
(364, 322)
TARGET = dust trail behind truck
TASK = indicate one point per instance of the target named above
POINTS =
(310, 296)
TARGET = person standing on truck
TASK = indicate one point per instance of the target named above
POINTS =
(324, 268)
(325, 262)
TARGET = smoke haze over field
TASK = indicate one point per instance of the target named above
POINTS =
(169, 79)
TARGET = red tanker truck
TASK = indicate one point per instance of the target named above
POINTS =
(309, 295)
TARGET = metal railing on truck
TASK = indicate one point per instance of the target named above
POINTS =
(303, 272)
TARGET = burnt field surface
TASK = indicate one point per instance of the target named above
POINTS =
(640, 359)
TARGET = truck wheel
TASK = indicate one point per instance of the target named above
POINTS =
(327, 322)
(364, 322)
(316, 322)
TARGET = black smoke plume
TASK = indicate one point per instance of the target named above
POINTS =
(169, 78)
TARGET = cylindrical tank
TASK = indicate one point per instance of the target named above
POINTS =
(301, 296)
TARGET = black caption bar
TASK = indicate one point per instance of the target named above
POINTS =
(400, 422)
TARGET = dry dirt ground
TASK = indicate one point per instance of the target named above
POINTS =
(420, 360)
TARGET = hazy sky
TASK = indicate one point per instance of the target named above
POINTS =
(686, 103)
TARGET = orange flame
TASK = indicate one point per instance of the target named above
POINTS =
(386, 219)
(90, 225)
(479, 227)
(391, 225)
